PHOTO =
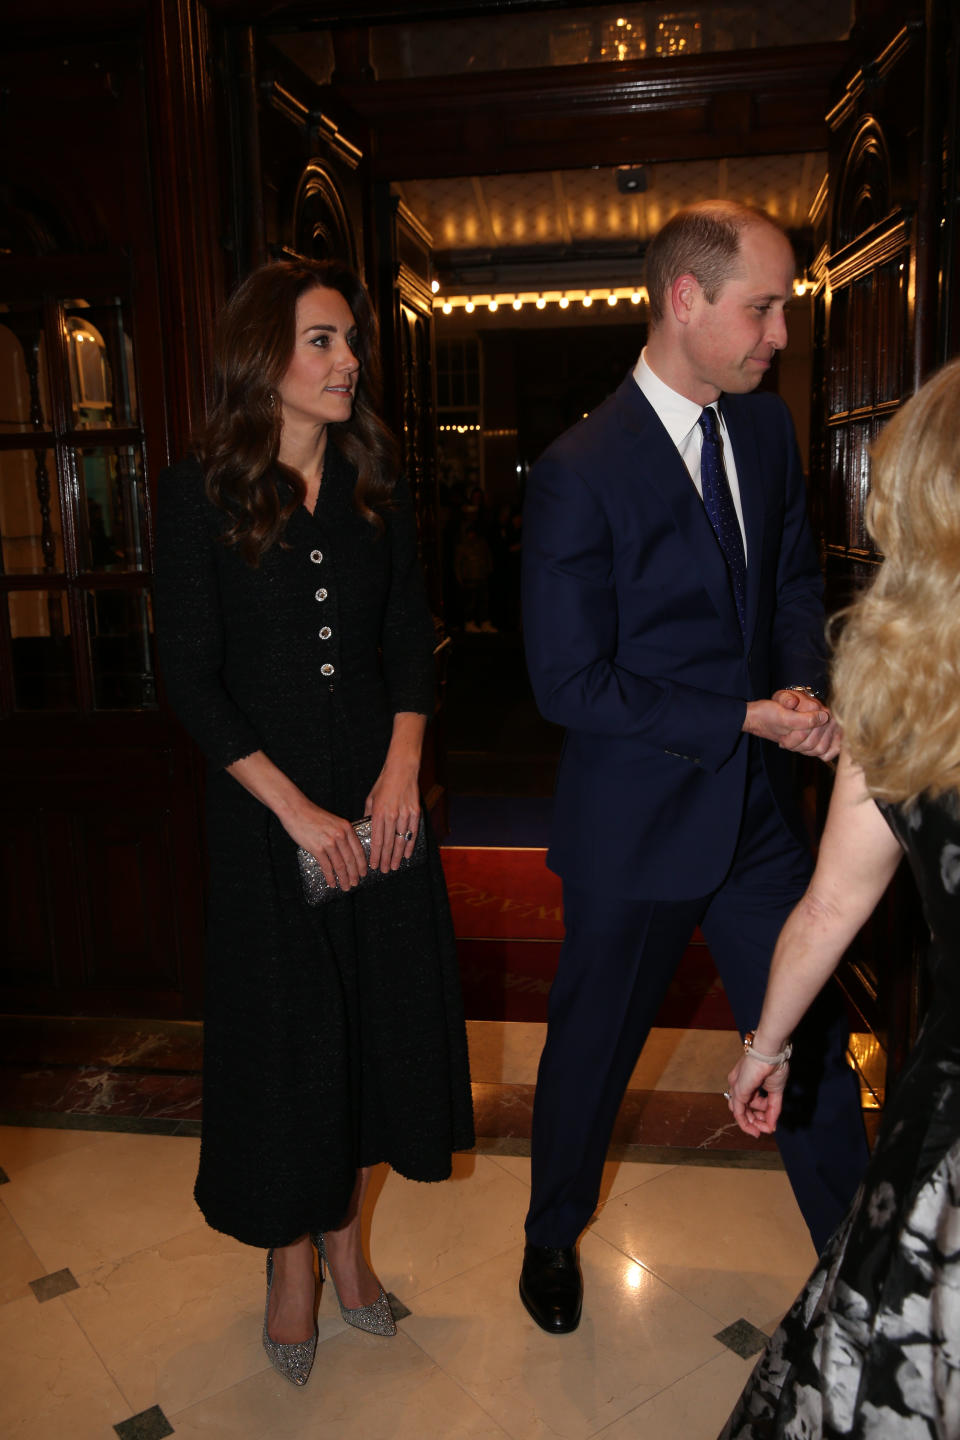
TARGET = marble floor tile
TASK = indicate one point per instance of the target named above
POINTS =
(19, 1264)
(731, 1241)
(502, 1111)
(362, 1388)
(105, 1199)
(686, 1060)
(24, 1145)
(672, 1059)
(619, 1176)
(692, 1408)
(505, 1052)
(637, 1336)
(423, 1235)
(179, 1321)
(55, 1386)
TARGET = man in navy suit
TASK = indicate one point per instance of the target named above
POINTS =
(674, 625)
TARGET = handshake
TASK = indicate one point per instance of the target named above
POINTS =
(795, 719)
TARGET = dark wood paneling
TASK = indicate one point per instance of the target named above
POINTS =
(102, 876)
(187, 204)
(702, 106)
(100, 811)
(26, 902)
(872, 337)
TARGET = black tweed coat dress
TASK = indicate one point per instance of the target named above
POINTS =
(333, 1037)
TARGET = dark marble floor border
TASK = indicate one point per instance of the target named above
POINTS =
(125, 1124)
(145, 1080)
(486, 1145)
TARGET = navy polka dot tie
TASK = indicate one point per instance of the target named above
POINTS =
(718, 503)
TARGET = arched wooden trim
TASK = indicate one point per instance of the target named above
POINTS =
(321, 225)
(864, 192)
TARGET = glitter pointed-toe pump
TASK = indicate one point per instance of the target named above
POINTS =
(376, 1318)
(294, 1362)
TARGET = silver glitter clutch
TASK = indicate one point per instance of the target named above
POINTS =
(316, 891)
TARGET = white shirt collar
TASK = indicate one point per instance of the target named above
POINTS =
(677, 414)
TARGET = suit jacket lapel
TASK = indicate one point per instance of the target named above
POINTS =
(658, 464)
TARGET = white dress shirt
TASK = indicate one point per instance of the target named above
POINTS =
(680, 418)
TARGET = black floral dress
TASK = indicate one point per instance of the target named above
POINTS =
(871, 1348)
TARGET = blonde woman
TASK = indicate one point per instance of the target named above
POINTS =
(872, 1346)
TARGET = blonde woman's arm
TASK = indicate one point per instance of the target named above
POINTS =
(858, 856)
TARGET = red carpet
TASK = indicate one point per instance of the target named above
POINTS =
(508, 918)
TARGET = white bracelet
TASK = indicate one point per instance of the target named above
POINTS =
(779, 1060)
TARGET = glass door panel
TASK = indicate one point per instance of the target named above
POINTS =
(103, 388)
(42, 650)
(73, 508)
(24, 393)
(112, 522)
(31, 532)
(122, 649)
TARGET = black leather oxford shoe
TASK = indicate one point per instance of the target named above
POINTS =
(551, 1287)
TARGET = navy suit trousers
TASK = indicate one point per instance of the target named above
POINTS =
(616, 963)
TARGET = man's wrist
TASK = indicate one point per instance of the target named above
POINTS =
(810, 690)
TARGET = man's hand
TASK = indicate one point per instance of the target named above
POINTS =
(794, 721)
(825, 742)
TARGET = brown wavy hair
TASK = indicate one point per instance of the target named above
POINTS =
(896, 671)
(239, 442)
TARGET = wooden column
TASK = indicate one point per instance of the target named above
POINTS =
(186, 203)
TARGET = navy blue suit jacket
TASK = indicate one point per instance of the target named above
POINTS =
(633, 642)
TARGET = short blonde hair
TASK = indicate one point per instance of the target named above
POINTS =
(896, 671)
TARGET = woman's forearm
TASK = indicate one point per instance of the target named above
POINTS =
(267, 783)
(329, 838)
(858, 856)
(406, 740)
(806, 954)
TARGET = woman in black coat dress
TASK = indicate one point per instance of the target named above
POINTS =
(297, 648)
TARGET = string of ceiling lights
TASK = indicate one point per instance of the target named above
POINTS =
(632, 294)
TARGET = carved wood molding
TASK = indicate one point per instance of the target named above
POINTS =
(406, 217)
(884, 242)
(314, 122)
(754, 102)
(873, 73)
(413, 291)
(292, 94)
(321, 224)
